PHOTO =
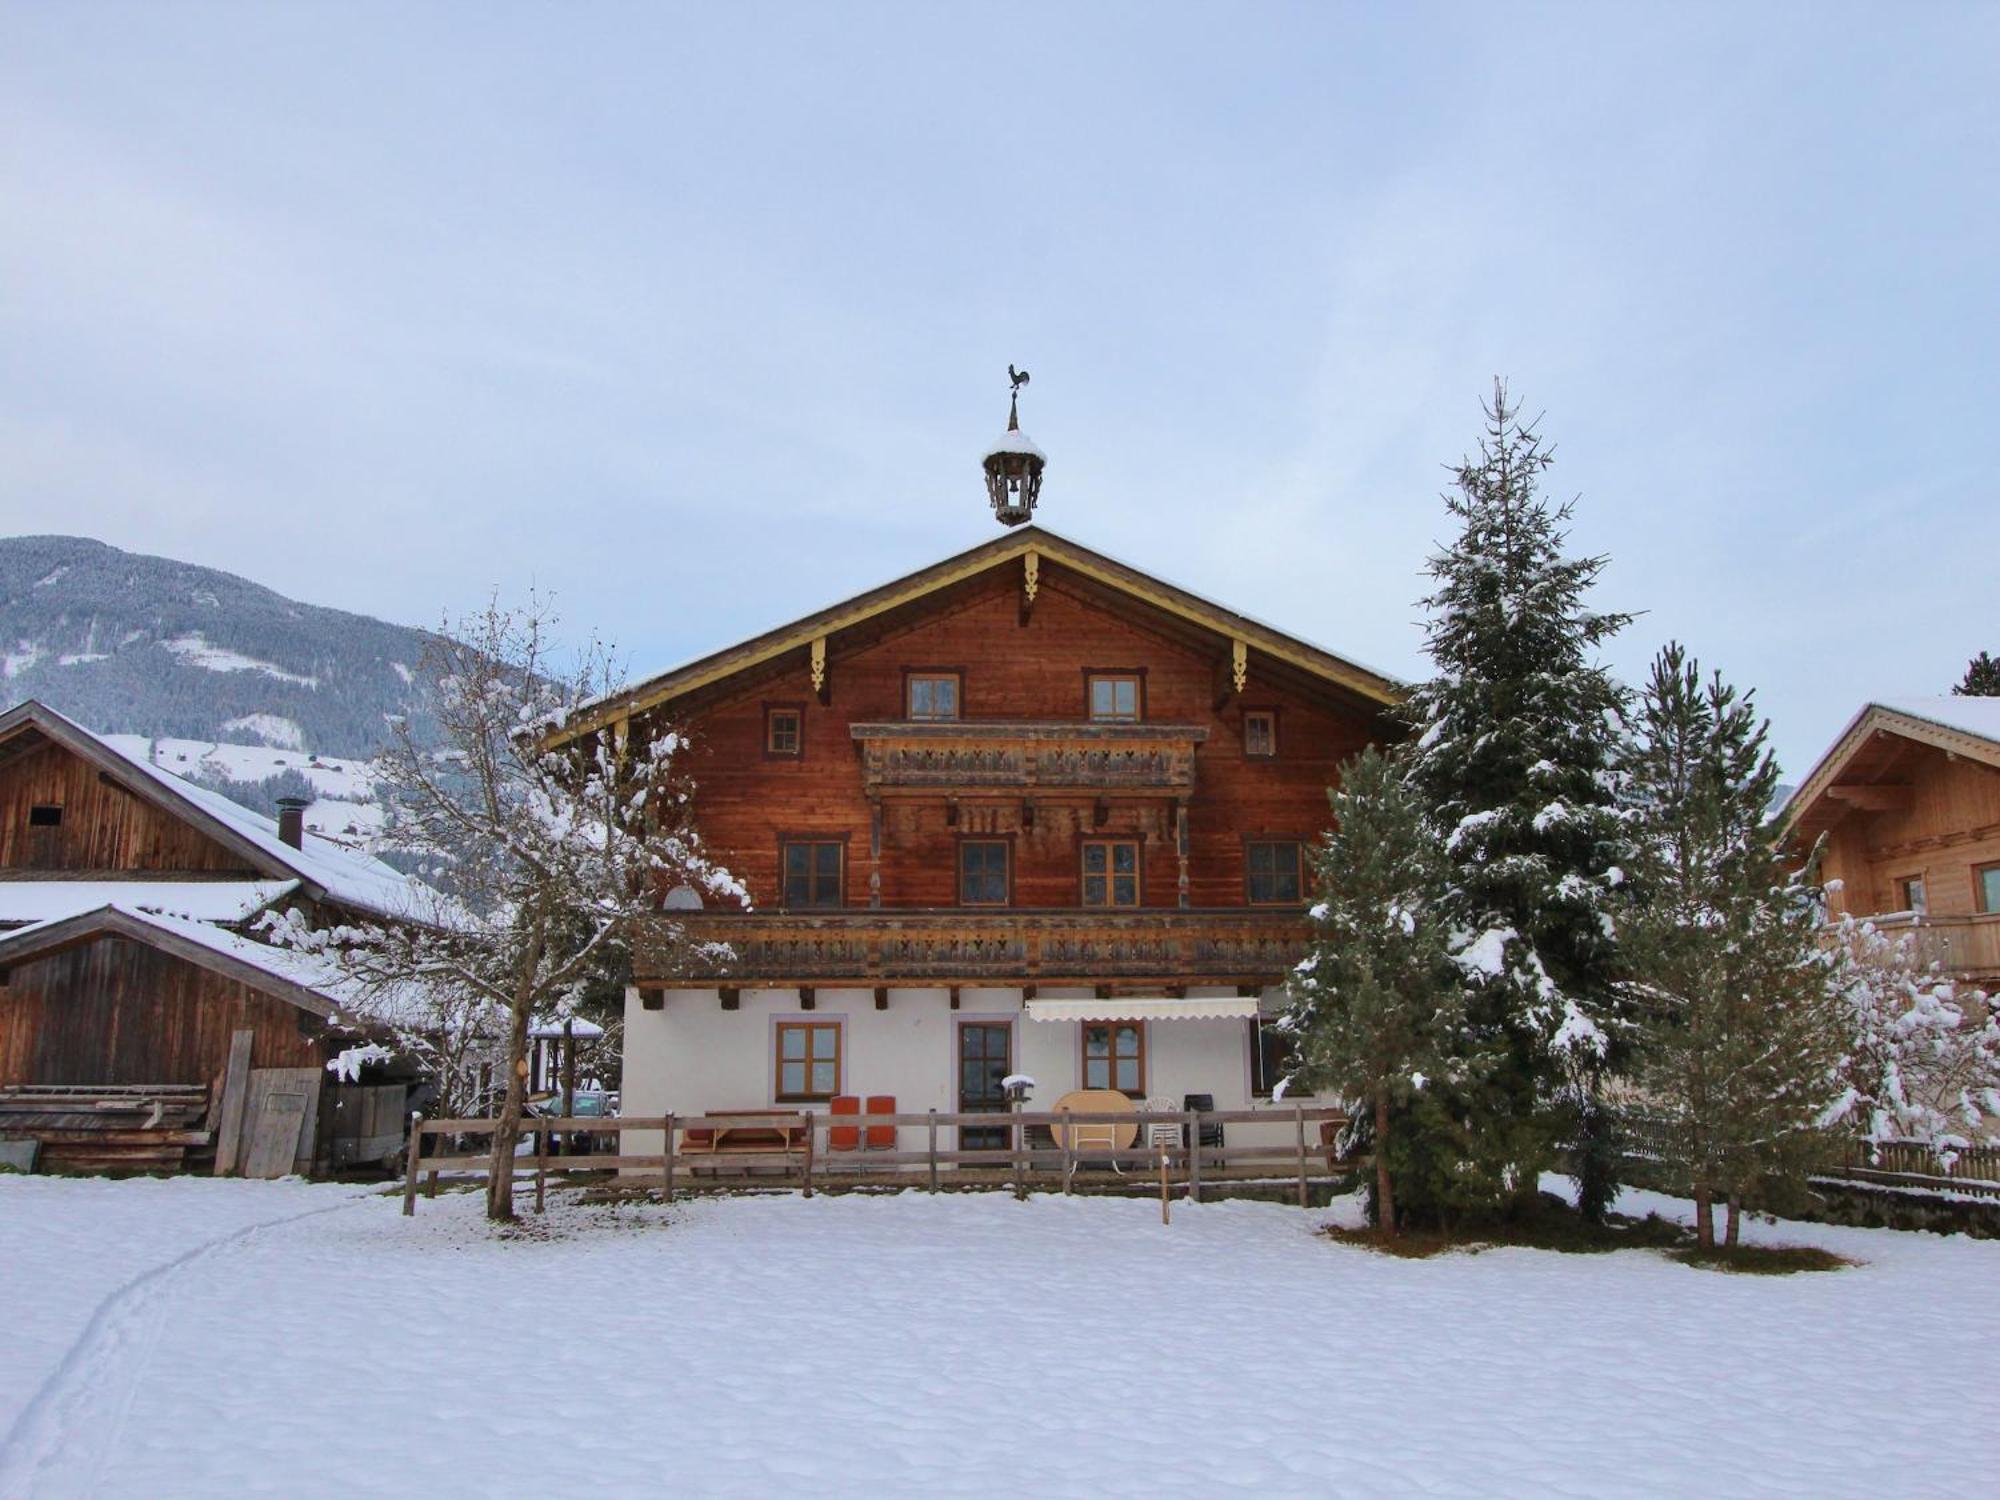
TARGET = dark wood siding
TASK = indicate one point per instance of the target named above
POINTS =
(103, 827)
(746, 801)
(116, 1011)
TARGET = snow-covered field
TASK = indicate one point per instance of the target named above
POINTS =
(194, 1338)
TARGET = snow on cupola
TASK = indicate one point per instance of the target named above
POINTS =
(1014, 464)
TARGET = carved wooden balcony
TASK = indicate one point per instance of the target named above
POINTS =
(969, 758)
(1165, 945)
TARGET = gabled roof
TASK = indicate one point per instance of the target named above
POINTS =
(1963, 726)
(312, 984)
(325, 870)
(229, 901)
(1373, 686)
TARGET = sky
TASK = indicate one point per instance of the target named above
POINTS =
(698, 317)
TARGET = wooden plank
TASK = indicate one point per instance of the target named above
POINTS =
(235, 1095)
(274, 1134)
(415, 1155)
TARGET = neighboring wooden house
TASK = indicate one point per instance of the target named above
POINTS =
(142, 1022)
(1028, 810)
(1908, 802)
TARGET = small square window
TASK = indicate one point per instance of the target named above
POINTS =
(784, 735)
(933, 695)
(1114, 697)
(1111, 872)
(1276, 878)
(982, 872)
(1260, 733)
(45, 815)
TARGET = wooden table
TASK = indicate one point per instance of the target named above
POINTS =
(1114, 1136)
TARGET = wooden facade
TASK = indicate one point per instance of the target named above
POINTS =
(60, 815)
(1233, 736)
(1908, 806)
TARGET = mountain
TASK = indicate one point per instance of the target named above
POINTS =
(129, 644)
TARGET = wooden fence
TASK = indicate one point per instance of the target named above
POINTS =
(1303, 1156)
(1974, 1169)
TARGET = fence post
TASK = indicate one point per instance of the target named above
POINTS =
(1194, 1156)
(667, 1163)
(1020, 1141)
(1299, 1114)
(410, 1170)
(810, 1133)
(541, 1161)
(1068, 1160)
(934, 1150)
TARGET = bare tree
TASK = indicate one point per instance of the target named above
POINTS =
(554, 856)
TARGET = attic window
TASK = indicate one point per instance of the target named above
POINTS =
(45, 815)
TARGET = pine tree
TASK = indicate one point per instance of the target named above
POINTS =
(1982, 678)
(1377, 1007)
(1740, 1036)
(1515, 752)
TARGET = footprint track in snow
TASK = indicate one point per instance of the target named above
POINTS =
(102, 1370)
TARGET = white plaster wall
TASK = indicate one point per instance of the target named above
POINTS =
(691, 1056)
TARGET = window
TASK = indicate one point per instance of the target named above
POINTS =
(1260, 733)
(784, 737)
(1986, 886)
(808, 1060)
(982, 872)
(1915, 898)
(45, 815)
(1270, 1056)
(1275, 877)
(1114, 1057)
(932, 695)
(812, 872)
(1111, 872)
(1114, 697)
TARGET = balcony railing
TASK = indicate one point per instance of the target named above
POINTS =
(1964, 945)
(1167, 946)
(970, 758)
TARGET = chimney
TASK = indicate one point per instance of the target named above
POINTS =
(292, 820)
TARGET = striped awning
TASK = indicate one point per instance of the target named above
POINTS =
(1143, 1008)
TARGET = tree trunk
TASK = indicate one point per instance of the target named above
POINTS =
(1735, 1220)
(1704, 1218)
(1385, 1188)
(507, 1133)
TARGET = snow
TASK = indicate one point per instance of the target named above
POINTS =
(201, 1337)
(199, 900)
(1487, 953)
(330, 775)
(272, 729)
(24, 655)
(403, 672)
(79, 658)
(1014, 442)
(1980, 716)
(196, 650)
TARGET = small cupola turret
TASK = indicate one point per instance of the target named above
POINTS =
(1014, 464)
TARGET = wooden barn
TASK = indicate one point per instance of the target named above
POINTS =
(143, 1023)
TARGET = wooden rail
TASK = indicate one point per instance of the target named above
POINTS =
(1027, 1163)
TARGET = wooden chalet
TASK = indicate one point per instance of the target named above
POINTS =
(1029, 810)
(142, 1022)
(1908, 803)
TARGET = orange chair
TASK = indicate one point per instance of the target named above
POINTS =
(844, 1137)
(881, 1137)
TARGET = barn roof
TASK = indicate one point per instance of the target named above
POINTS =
(1969, 727)
(326, 870)
(231, 901)
(1027, 542)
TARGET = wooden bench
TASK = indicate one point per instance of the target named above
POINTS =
(786, 1134)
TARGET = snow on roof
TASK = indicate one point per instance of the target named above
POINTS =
(346, 875)
(1015, 442)
(582, 1030)
(1980, 716)
(24, 901)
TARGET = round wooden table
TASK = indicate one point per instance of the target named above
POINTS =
(1115, 1136)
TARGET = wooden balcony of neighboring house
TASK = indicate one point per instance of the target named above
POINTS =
(1966, 946)
(1164, 946)
(970, 758)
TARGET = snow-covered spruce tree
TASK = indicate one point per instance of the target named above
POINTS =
(555, 858)
(1376, 1008)
(1516, 741)
(1740, 1040)
(1923, 1059)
